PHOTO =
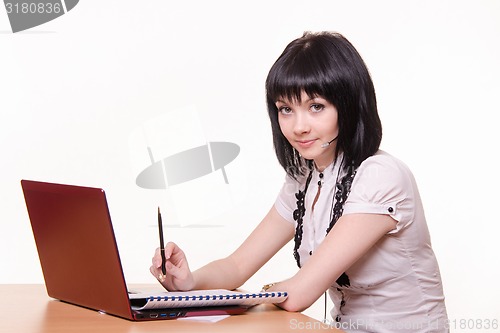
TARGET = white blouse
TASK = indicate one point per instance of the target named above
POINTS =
(396, 286)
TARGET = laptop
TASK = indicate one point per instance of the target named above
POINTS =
(79, 255)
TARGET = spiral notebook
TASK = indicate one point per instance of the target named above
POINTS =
(81, 265)
(203, 298)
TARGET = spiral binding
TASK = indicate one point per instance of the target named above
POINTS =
(217, 297)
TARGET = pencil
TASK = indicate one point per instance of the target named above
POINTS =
(162, 245)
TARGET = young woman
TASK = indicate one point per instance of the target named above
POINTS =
(353, 211)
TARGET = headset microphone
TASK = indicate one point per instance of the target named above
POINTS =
(326, 144)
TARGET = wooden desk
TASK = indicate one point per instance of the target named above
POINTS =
(28, 309)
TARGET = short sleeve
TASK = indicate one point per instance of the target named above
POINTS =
(383, 185)
(286, 202)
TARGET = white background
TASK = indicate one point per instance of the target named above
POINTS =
(75, 91)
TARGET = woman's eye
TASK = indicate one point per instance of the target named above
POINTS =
(285, 110)
(317, 107)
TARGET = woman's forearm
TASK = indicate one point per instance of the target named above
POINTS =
(219, 274)
(263, 243)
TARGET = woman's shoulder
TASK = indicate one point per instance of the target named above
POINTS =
(385, 167)
(384, 160)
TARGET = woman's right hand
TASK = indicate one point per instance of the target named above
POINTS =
(178, 276)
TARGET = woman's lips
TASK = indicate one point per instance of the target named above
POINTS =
(305, 143)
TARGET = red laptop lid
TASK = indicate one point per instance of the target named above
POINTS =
(76, 246)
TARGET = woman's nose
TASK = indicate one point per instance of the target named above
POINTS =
(301, 124)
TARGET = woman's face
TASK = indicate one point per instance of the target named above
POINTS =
(308, 125)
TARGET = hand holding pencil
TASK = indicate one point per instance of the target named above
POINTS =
(170, 266)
